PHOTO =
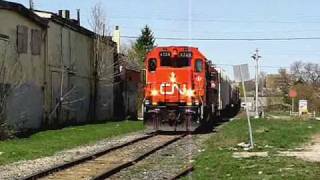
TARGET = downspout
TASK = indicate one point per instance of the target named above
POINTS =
(45, 82)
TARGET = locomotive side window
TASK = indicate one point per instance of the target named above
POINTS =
(152, 65)
(198, 65)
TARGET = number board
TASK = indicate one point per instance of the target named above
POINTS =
(185, 54)
(165, 54)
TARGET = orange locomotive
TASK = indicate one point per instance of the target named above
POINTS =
(181, 91)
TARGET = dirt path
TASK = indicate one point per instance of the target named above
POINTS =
(310, 152)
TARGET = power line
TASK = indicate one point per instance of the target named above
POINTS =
(221, 32)
(229, 39)
(271, 67)
(218, 20)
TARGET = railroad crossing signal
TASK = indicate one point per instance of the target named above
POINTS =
(293, 93)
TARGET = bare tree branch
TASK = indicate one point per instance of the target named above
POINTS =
(306, 73)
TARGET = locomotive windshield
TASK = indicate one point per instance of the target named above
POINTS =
(180, 61)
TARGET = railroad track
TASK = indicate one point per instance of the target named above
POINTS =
(183, 173)
(109, 162)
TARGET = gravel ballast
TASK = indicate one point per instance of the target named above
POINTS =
(163, 164)
(22, 169)
(167, 162)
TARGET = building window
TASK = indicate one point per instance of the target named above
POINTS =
(35, 42)
(22, 39)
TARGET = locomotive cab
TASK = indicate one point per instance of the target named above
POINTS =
(175, 89)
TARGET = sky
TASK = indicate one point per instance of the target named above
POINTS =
(217, 19)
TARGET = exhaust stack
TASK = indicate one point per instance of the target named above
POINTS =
(116, 37)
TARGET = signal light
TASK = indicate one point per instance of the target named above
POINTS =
(190, 93)
(154, 92)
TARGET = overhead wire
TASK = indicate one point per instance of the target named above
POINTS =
(230, 39)
(262, 66)
(219, 20)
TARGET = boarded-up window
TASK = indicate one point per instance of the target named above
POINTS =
(22, 39)
(35, 42)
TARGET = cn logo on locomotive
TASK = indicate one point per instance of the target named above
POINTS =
(164, 91)
(169, 88)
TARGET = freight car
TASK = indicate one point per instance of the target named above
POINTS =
(183, 90)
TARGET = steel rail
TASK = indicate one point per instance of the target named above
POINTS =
(183, 173)
(117, 169)
(67, 165)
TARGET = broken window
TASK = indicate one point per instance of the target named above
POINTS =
(22, 39)
(35, 42)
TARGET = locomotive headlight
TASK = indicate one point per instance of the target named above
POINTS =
(190, 93)
(154, 92)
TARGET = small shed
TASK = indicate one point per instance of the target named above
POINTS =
(130, 88)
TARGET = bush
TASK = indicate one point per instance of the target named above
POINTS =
(310, 93)
(278, 107)
(5, 131)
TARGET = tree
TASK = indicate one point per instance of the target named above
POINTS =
(101, 44)
(306, 73)
(104, 65)
(285, 80)
(144, 43)
(285, 84)
(262, 82)
(307, 83)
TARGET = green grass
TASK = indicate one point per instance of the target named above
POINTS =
(217, 161)
(48, 142)
(278, 113)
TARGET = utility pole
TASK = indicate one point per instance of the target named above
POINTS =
(256, 58)
(31, 5)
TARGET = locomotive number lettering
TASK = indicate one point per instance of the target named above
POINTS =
(165, 54)
(185, 54)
